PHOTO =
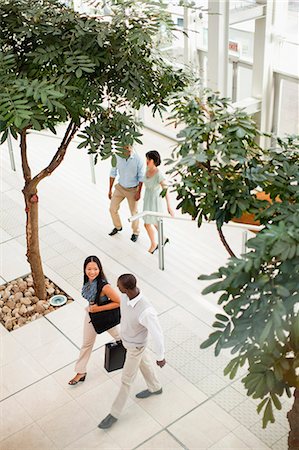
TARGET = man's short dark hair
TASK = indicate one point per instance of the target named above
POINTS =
(128, 281)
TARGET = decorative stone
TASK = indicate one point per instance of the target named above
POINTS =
(18, 296)
(39, 307)
(22, 321)
(51, 291)
(11, 303)
(6, 294)
(22, 285)
(19, 304)
(15, 288)
(15, 312)
(26, 301)
(22, 310)
(9, 324)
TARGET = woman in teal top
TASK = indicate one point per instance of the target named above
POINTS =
(154, 183)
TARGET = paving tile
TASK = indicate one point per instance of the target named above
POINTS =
(97, 439)
(249, 438)
(13, 418)
(162, 441)
(281, 444)
(246, 413)
(10, 349)
(228, 398)
(66, 424)
(271, 434)
(55, 354)
(144, 427)
(212, 384)
(178, 357)
(21, 373)
(194, 371)
(230, 441)
(36, 334)
(179, 334)
(42, 398)
(30, 437)
(158, 406)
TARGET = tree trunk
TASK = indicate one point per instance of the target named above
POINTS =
(225, 243)
(293, 418)
(33, 253)
(31, 202)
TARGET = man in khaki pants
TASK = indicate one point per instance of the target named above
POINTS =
(138, 317)
(131, 172)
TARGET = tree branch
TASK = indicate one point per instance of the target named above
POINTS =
(25, 165)
(225, 243)
(59, 155)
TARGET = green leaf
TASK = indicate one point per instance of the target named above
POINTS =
(268, 414)
(211, 340)
(261, 405)
(222, 317)
(113, 161)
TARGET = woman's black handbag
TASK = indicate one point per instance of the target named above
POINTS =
(115, 355)
(104, 320)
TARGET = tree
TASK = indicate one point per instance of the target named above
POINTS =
(216, 147)
(260, 295)
(218, 165)
(59, 66)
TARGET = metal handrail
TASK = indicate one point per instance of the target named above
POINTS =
(160, 217)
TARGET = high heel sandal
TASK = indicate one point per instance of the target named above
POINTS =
(153, 251)
(73, 381)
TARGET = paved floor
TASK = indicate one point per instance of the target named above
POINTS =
(199, 408)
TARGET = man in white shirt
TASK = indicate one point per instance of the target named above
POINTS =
(138, 318)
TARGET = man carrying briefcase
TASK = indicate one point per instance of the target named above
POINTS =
(138, 317)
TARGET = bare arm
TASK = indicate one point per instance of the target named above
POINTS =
(169, 208)
(111, 182)
(138, 193)
(112, 295)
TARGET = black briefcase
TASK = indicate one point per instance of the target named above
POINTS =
(115, 355)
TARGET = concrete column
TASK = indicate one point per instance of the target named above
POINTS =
(218, 33)
(262, 71)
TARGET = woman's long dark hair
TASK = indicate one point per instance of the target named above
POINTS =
(101, 278)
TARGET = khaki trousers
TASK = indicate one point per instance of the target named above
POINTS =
(89, 337)
(119, 194)
(136, 358)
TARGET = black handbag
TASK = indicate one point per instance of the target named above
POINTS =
(104, 320)
(115, 355)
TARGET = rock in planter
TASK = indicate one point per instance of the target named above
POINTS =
(39, 307)
(19, 304)
(26, 301)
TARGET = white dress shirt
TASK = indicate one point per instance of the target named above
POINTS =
(149, 320)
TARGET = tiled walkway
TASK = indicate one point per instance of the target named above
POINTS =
(199, 408)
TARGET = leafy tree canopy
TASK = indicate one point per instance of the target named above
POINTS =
(57, 65)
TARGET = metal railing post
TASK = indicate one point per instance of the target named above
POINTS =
(244, 241)
(160, 243)
(93, 175)
(10, 151)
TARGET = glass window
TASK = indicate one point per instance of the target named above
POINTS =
(289, 108)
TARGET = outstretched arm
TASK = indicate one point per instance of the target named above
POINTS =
(169, 208)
